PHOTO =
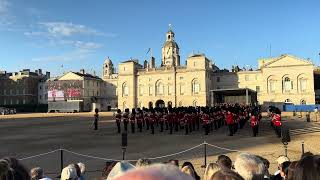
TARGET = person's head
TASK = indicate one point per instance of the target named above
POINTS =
(224, 161)
(10, 168)
(226, 174)
(284, 169)
(119, 169)
(306, 154)
(77, 168)
(118, 111)
(174, 162)
(291, 170)
(36, 173)
(188, 170)
(308, 168)
(96, 110)
(143, 162)
(249, 166)
(156, 172)
(281, 159)
(69, 173)
(106, 170)
(82, 167)
(266, 165)
(187, 163)
(210, 170)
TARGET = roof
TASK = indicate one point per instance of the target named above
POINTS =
(233, 91)
(86, 75)
(171, 44)
(274, 59)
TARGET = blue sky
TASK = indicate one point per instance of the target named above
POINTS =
(81, 34)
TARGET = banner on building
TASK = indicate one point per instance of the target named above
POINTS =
(65, 90)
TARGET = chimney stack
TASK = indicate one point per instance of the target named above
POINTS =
(152, 62)
(82, 71)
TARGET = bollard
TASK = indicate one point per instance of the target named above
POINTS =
(286, 150)
(61, 160)
(302, 147)
(308, 116)
(205, 155)
(123, 152)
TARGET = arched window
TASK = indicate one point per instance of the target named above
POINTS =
(302, 83)
(287, 84)
(140, 89)
(140, 105)
(271, 84)
(195, 86)
(195, 103)
(125, 89)
(159, 88)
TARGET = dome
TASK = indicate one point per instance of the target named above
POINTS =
(170, 44)
(108, 61)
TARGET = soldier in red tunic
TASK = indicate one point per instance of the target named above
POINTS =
(118, 120)
(152, 119)
(206, 120)
(125, 118)
(254, 123)
(132, 120)
(146, 118)
(169, 118)
(185, 119)
(230, 122)
(276, 120)
(139, 119)
(160, 119)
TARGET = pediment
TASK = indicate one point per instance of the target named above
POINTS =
(70, 76)
(287, 60)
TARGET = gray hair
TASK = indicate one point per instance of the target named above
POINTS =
(36, 173)
(143, 162)
(188, 170)
(82, 167)
(249, 166)
(210, 170)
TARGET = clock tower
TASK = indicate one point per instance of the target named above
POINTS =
(170, 51)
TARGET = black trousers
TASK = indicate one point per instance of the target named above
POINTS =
(161, 126)
(215, 123)
(190, 127)
(152, 128)
(231, 128)
(198, 124)
(140, 126)
(176, 126)
(235, 126)
(125, 124)
(147, 124)
(167, 125)
(95, 125)
(171, 127)
(186, 129)
(278, 130)
(207, 129)
(132, 128)
(255, 130)
(119, 127)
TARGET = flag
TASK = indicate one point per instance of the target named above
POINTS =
(148, 50)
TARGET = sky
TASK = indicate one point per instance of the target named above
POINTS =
(60, 36)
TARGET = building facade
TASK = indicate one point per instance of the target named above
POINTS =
(76, 91)
(278, 80)
(20, 88)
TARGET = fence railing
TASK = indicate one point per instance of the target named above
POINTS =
(205, 145)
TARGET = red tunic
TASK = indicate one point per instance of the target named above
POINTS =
(229, 118)
(254, 121)
(205, 118)
(118, 117)
(276, 120)
(132, 118)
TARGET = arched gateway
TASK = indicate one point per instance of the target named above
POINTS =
(160, 103)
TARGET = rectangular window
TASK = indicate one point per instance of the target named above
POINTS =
(181, 78)
(150, 90)
(24, 101)
(40, 97)
(169, 89)
(141, 90)
(196, 88)
(246, 77)
(218, 79)
(258, 88)
(17, 101)
(4, 102)
(181, 89)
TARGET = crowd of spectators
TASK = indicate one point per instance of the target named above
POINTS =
(245, 167)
